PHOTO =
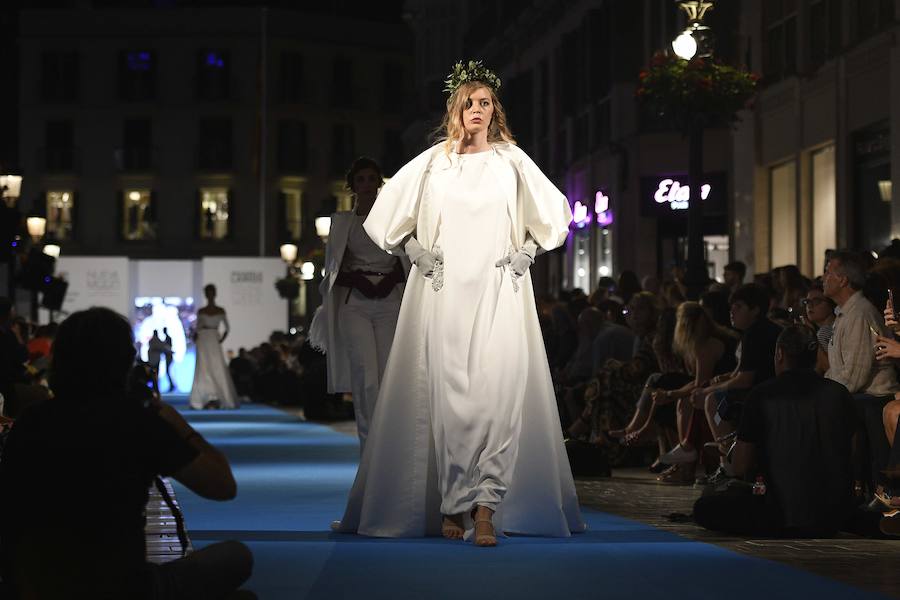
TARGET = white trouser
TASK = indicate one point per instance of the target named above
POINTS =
(367, 330)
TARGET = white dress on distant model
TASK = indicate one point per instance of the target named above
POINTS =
(212, 379)
(466, 414)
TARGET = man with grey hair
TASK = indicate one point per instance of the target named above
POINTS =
(851, 357)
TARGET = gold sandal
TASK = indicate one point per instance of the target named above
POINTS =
(485, 541)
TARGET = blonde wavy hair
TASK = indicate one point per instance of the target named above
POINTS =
(451, 129)
(693, 327)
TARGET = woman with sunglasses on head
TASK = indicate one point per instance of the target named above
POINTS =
(466, 439)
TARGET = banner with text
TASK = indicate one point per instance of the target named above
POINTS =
(96, 281)
(246, 290)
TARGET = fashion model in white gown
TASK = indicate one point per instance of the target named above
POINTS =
(212, 379)
(466, 414)
(465, 439)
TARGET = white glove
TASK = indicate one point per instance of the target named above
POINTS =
(520, 260)
(424, 260)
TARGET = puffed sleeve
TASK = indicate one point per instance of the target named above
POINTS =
(396, 210)
(544, 211)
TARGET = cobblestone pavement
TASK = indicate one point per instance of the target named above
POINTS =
(858, 561)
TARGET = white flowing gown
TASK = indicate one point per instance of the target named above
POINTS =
(466, 412)
(212, 379)
(475, 343)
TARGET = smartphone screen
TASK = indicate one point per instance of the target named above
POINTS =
(891, 300)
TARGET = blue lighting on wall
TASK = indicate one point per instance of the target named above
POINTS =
(139, 61)
(215, 60)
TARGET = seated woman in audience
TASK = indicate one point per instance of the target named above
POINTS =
(707, 350)
(670, 375)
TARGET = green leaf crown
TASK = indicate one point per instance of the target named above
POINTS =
(470, 71)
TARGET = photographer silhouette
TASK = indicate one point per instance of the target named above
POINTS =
(76, 471)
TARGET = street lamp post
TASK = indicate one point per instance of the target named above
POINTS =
(10, 188)
(690, 45)
(37, 227)
(289, 256)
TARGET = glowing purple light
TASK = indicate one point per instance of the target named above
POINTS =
(601, 202)
(605, 218)
(579, 214)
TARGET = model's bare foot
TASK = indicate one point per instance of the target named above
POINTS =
(452, 527)
(484, 527)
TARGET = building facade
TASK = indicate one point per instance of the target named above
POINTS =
(816, 168)
(190, 132)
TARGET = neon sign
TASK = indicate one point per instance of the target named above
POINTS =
(676, 195)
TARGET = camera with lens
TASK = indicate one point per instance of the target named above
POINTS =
(142, 385)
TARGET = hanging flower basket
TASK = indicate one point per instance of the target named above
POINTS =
(699, 91)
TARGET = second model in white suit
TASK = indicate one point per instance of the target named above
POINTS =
(466, 413)
(355, 331)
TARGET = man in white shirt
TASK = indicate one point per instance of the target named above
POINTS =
(851, 357)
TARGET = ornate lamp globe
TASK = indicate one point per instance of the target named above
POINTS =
(685, 46)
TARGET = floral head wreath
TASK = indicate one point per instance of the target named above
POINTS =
(468, 72)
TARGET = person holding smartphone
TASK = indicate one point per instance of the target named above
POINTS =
(858, 328)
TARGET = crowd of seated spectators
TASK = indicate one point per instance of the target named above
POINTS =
(285, 370)
(779, 397)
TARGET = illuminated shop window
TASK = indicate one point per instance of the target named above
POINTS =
(824, 202)
(60, 209)
(138, 218)
(783, 193)
(214, 212)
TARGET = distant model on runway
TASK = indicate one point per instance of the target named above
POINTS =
(361, 293)
(466, 439)
(213, 387)
(156, 350)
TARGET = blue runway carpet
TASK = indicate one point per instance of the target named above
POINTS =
(293, 478)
